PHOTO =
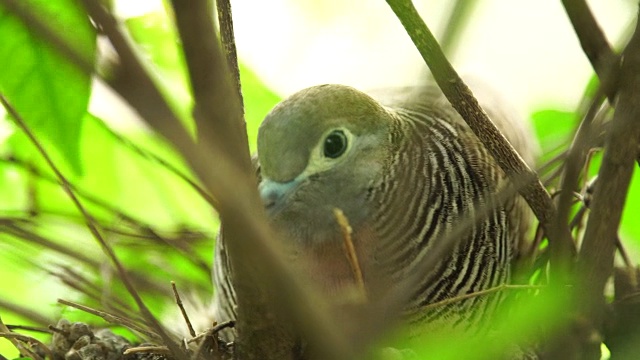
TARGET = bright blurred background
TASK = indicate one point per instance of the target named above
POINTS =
(525, 48)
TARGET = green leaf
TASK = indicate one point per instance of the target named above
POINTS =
(553, 127)
(630, 226)
(47, 90)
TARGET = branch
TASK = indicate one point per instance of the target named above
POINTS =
(594, 44)
(467, 106)
(576, 157)
(595, 263)
(225, 19)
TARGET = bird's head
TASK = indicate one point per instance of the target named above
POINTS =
(322, 148)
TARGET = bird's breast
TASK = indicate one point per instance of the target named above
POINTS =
(346, 276)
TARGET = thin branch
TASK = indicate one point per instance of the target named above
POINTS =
(29, 328)
(114, 319)
(89, 222)
(75, 280)
(467, 106)
(159, 350)
(11, 336)
(594, 44)
(595, 263)
(176, 295)
(227, 38)
(575, 160)
(482, 293)
(214, 330)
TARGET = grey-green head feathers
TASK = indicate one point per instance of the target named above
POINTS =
(320, 149)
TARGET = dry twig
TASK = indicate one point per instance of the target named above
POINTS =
(114, 319)
(176, 295)
(23, 350)
(350, 250)
(14, 339)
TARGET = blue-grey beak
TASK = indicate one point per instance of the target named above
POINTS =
(273, 192)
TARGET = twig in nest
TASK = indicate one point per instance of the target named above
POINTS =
(13, 338)
(29, 328)
(23, 350)
(112, 319)
(350, 250)
(162, 350)
(55, 329)
(214, 330)
(481, 293)
(192, 332)
(210, 341)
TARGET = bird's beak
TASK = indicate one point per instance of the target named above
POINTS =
(273, 193)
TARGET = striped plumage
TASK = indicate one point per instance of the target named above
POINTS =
(411, 172)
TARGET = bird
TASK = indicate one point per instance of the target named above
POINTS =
(406, 171)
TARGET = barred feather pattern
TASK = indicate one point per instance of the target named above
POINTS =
(224, 300)
(449, 174)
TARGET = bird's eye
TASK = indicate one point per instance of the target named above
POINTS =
(335, 144)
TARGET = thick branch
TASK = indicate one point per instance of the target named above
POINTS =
(467, 106)
(217, 112)
(595, 263)
(594, 44)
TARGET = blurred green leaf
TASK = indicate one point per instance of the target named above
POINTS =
(630, 227)
(517, 321)
(553, 128)
(49, 92)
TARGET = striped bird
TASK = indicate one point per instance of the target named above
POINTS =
(407, 172)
